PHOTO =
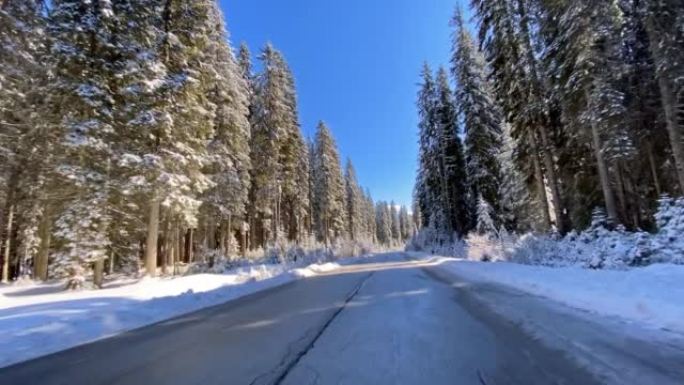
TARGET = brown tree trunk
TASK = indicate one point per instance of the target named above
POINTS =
(673, 129)
(539, 179)
(622, 199)
(552, 180)
(152, 239)
(189, 250)
(98, 273)
(608, 196)
(40, 270)
(8, 244)
(173, 250)
(654, 169)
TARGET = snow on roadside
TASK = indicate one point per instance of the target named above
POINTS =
(651, 296)
(41, 319)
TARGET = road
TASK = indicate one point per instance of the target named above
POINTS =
(394, 322)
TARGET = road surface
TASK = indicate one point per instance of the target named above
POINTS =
(395, 322)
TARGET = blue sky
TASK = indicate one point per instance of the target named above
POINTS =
(357, 65)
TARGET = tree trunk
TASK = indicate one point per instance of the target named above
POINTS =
(654, 169)
(112, 262)
(152, 239)
(98, 273)
(189, 252)
(8, 245)
(40, 269)
(174, 251)
(622, 199)
(539, 178)
(608, 196)
(673, 129)
(552, 180)
(167, 241)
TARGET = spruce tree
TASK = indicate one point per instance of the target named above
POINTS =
(228, 150)
(356, 224)
(482, 119)
(454, 176)
(329, 207)
(271, 117)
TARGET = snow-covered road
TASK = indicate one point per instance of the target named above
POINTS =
(391, 322)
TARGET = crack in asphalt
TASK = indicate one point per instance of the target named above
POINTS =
(293, 362)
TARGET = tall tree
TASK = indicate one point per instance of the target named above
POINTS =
(271, 118)
(482, 119)
(454, 176)
(329, 207)
(229, 163)
(664, 19)
(355, 202)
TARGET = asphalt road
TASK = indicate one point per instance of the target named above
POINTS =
(383, 323)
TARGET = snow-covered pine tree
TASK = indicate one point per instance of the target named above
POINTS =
(485, 224)
(244, 59)
(228, 150)
(170, 118)
(519, 212)
(454, 178)
(84, 57)
(329, 207)
(294, 158)
(664, 20)
(395, 226)
(405, 224)
(507, 34)
(24, 134)
(481, 116)
(429, 183)
(383, 223)
(271, 117)
(356, 223)
(369, 214)
(588, 51)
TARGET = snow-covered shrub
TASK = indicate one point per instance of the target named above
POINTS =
(668, 242)
(432, 241)
(601, 248)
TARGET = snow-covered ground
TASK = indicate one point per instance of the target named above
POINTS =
(38, 319)
(650, 296)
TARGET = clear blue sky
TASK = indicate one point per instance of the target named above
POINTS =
(357, 65)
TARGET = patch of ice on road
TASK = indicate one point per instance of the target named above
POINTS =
(38, 319)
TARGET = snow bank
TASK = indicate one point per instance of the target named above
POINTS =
(40, 319)
(651, 296)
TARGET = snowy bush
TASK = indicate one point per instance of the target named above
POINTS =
(601, 248)
(436, 242)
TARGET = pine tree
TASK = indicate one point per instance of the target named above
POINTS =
(453, 172)
(513, 52)
(664, 20)
(355, 202)
(329, 206)
(170, 115)
(593, 104)
(383, 223)
(84, 57)
(481, 117)
(271, 117)
(405, 224)
(228, 150)
(23, 128)
(395, 226)
(485, 223)
(294, 159)
(429, 180)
